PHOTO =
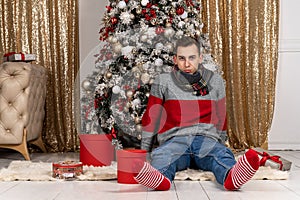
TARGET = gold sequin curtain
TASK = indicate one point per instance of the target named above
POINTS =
(244, 39)
(49, 29)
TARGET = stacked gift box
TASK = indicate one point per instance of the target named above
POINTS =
(273, 161)
(18, 57)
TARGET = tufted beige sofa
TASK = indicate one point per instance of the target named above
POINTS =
(22, 100)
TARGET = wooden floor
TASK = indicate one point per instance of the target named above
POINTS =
(111, 190)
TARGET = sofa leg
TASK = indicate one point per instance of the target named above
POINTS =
(22, 148)
(39, 143)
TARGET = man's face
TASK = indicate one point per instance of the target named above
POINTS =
(188, 58)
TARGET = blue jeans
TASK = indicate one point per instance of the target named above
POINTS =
(197, 152)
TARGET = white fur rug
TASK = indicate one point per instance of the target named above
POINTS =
(41, 171)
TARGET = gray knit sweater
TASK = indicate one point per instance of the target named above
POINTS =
(173, 112)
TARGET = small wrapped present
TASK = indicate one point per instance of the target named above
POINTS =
(67, 169)
(274, 161)
(18, 57)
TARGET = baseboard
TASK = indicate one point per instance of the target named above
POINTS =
(289, 45)
(283, 146)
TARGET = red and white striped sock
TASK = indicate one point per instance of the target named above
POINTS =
(242, 171)
(150, 177)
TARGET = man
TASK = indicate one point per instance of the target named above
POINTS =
(187, 111)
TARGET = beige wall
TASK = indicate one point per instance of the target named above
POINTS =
(90, 15)
(285, 130)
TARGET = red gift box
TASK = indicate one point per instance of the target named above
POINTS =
(18, 57)
(273, 161)
(125, 159)
(96, 149)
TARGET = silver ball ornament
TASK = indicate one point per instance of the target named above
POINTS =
(109, 38)
(125, 109)
(134, 51)
(169, 32)
(139, 127)
(139, 136)
(86, 85)
(145, 78)
(198, 33)
(168, 24)
(150, 82)
(138, 10)
(144, 38)
(159, 46)
(137, 120)
(170, 46)
(132, 16)
(114, 40)
(128, 105)
(117, 47)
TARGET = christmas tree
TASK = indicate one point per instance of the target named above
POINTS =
(139, 38)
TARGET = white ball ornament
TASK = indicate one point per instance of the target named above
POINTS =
(184, 15)
(159, 46)
(116, 89)
(136, 102)
(129, 93)
(122, 4)
(158, 62)
(181, 24)
(144, 2)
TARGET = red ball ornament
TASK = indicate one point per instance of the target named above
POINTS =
(179, 10)
(144, 11)
(149, 5)
(153, 12)
(108, 8)
(147, 17)
(114, 20)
